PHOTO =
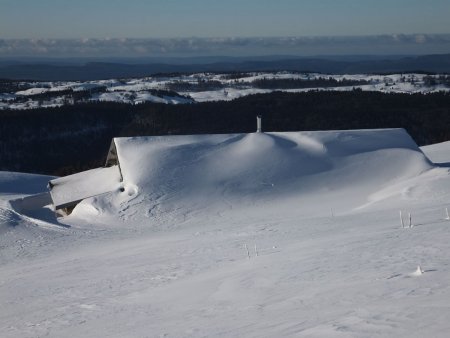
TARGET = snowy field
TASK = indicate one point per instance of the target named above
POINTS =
(256, 235)
(136, 91)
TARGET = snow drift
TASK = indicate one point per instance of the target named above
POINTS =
(165, 177)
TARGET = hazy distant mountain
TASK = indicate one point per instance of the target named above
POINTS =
(95, 69)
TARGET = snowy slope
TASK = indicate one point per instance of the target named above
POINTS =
(20, 184)
(317, 211)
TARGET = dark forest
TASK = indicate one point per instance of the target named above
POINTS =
(69, 139)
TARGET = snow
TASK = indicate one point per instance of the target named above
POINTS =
(438, 153)
(20, 184)
(226, 94)
(139, 97)
(113, 97)
(273, 170)
(7, 96)
(74, 188)
(32, 91)
(135, 91)
(418, 272)
(166, 257)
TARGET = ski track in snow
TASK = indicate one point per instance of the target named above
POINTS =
(159, 269)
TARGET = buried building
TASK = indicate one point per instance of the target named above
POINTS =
(66, 192)
(219, 171)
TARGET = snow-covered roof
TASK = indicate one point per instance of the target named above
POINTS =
(185, 171)
(189, 170)
(69, 190)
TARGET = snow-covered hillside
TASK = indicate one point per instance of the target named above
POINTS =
(202, 87)
(271, 234)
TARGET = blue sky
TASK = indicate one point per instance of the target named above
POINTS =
(121, 26)
(214, 18)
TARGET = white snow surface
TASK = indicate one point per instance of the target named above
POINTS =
(438, 153)
(138, 97)
(89, 183)
(317, 211)
(32, 91)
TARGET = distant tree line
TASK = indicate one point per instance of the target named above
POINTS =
(200, 85)
(72, 138)
(12, 86)
(320, 82)
(264, 83)
(431, 81)
(163, 93)
(235, 75)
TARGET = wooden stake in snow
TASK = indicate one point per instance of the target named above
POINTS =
(409, 218)
(248, 252)
(446, 211)
(258, 124)
(401, 220)
(256, 251)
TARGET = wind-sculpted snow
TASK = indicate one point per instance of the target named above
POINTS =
(243, 235)
(187, 176)
(22, 184)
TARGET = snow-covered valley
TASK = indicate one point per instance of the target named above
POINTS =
(255, 235)
(176, 89)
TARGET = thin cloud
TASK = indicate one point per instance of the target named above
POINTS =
(88, 47)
